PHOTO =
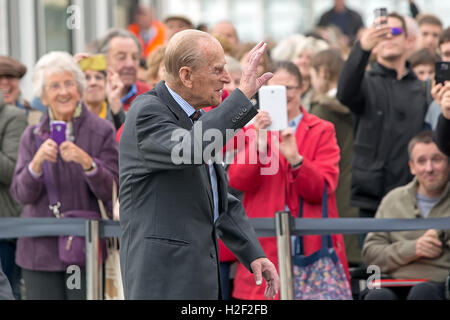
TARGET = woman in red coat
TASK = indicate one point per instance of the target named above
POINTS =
(308, 158)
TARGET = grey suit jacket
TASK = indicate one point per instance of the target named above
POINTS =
(169, 244)
(5, 287)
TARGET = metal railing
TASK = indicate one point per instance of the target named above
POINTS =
(282, 226)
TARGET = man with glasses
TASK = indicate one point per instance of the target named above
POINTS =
(389, 104)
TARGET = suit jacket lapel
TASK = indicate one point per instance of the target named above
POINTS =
(164, 94)
(186, 123)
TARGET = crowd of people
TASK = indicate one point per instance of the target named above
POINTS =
(362, 106)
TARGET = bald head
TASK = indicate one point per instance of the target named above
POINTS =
(143, 16)
(188, 48)
(227, 29)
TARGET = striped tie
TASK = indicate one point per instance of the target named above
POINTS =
(196, 115)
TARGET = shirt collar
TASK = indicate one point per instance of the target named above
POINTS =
(132, 92)
(187, 108)
(295, 122)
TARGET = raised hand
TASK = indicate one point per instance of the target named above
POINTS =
(372, 36)
(250, 83)
(114, 89)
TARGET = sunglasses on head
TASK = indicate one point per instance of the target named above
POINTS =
(396, 31)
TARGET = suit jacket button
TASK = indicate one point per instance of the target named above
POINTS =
(212, 255)
(244, 109)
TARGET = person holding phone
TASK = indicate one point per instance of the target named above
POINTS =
(389, 104)
(81, 155)
(441, 92)
(307, 160)
(103, 90)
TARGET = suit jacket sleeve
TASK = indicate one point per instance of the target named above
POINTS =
(442, 135)
(236, 232)
(164, 145)
(5, 287)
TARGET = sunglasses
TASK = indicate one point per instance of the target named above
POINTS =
(396, 31)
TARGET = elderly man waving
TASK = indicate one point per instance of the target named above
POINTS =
(172, 212)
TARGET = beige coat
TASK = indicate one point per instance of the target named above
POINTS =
(394, 252)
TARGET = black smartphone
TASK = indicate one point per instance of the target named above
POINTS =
(442, 72)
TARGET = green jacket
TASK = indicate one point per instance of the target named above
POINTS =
(330, 109)
(394, 252)
(13, 122)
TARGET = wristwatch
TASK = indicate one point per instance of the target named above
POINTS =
(93, 166)
(298, 164)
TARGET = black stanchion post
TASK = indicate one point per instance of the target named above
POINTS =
(283, 229)
(93, 261)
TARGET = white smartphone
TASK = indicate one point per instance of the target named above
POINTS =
(272, 99)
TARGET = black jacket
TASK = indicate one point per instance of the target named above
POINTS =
(353, 22)
(389, 112)
(442, 135)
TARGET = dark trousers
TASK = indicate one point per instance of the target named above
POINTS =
(225, 280)
(49, 285)
(10, 269)
(422, 291)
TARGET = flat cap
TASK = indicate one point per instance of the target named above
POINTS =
(185, 19)
(11, 67)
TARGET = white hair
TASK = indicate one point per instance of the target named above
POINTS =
(53, 63)
(232, 64)
(286, 48)
(312, 45)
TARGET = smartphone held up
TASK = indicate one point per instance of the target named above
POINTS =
(58, 131)
(381, 17)
(442, 72)
(273, 100)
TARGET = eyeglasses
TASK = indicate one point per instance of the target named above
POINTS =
(56, 86)
(396, 31)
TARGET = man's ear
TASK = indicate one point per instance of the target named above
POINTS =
(410, 42)
(185, 74)
(44, 100)
(411, 168)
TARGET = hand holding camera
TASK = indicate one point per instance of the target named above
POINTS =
(378, 32)
(261, 122)
(70, 152)
(48, 151)
(441, 94)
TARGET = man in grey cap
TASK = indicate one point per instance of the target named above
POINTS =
(11, 71)
(176, 24)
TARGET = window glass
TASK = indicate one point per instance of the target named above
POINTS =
(57, 35)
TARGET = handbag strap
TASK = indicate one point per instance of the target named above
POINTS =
(326, 241)
(55, 204)
(114, 198)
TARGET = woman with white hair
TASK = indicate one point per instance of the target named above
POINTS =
(73, 169)
(300, 50)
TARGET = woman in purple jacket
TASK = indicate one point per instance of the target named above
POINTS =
(82, 170)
